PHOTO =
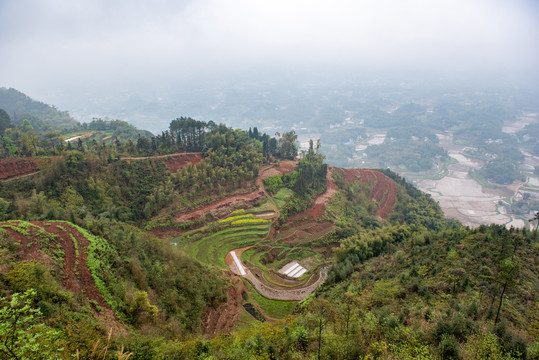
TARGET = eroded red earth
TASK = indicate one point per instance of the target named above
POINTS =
(16, 167)
(77, 276)
(383, 188)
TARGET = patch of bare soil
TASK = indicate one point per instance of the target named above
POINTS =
(296, 236)
(178, 161)
(284, 167)
(223, 319)
(312, 230)
(18, 167)
(383, 188)
(166, 232)
(321, 200)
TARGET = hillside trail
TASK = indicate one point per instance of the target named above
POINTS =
(20, 176)
(158, 156)
(17, 168)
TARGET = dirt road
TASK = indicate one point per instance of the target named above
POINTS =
(293, 294)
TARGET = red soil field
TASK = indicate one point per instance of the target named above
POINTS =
(77, 275)
(12, 168)
(223, 319)
(178, 161)
(383, 191)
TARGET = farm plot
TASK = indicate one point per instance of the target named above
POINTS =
(14, 168)
(271, 258)
(293, 269)
(383, 190)
(72, 252)
(211, 244)
(304, 231)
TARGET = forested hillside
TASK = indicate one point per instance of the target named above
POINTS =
(45, 117)
(208, 242)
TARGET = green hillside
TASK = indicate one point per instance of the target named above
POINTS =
(123, 248)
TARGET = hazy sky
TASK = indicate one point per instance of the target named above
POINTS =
(51, 43)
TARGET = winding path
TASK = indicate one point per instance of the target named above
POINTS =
(293, 294)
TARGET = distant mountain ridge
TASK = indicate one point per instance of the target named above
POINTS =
(19, 106)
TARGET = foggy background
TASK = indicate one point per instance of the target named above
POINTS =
(94, 57)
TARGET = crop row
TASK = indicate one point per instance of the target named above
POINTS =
(235, 218)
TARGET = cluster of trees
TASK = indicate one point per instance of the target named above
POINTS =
(410, 154)
(24, 140)
(31, 138)
(412, 206)
(307, 180)
(353, 211)
(312, 172)
(117, 129)
(501, 172)
(186, 134)
(452, 115)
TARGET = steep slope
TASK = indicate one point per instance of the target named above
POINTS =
(65, 249)
(459, 293)
(114, 286)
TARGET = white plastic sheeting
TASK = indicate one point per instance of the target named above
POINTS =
(238, 263)
(293, 269)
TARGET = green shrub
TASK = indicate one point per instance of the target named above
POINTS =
(449, 348)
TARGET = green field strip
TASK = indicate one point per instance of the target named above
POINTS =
(212, 249)
(300, 281)
(283, 194)
(254, 258)
(276, 309)
(221, 251)
(251, 230)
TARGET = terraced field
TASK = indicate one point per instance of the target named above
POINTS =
(74, 254)
(211, 244)
(262, 250)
